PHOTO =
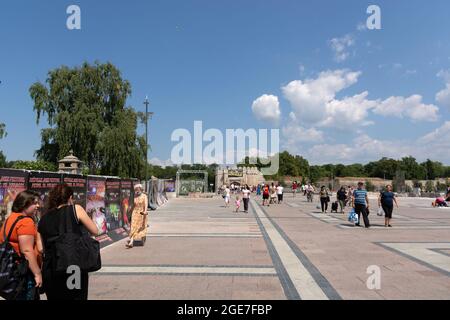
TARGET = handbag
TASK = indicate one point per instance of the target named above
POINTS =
(70, 248)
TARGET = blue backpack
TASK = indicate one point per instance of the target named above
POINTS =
(13, 267)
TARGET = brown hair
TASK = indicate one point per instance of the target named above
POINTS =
(58, 195)
(24, 200)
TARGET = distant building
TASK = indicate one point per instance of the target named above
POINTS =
(238, 176)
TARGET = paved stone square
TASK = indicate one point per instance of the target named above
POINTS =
(198, 249)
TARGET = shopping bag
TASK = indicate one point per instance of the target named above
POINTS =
(352, 216)
(380, 212)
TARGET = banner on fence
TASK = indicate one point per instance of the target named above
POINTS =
(78, 184)
(112, 204)
(95, 206)
(12, 182)
(42, 183)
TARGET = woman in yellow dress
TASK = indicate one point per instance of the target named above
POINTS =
(139, 216)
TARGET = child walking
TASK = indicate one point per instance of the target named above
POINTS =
(238, 203)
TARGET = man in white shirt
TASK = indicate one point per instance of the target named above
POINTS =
(280, 193)
(227, 196)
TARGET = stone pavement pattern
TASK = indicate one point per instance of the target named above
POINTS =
(198, 249)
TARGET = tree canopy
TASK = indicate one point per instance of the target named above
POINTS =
(86, 111)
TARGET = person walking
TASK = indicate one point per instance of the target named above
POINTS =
(324, 198)
(139, 217)
(25, 240)
(273, 193)
(341, 198)
(386, 201)
(349, 196)
(360, 202)
(294, 188)
(246, 197)
(280, 193)
(61, 212)
(226, 196)
(266, 194)
(237, 203)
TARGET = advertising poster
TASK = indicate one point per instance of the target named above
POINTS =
(169, 186)
(112, 204)
(126, 201)
(12, 182)
(42, 183)
(96, 202)
(78, 184)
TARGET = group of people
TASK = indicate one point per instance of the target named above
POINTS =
(356, 199)
(272, 193)
(31, 232)
(244, 191)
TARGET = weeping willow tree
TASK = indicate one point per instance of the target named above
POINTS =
(87, 113)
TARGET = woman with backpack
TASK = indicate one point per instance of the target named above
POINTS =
(61, 214)
(25, 241)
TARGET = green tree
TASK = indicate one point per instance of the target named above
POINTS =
(383, 168)
(3, 162)
(86, 112)
(33, 165)
(2, 130)
(412, 169)
(2, 156)
(433, 169)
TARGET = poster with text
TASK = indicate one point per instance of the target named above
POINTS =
(95, 206)
(126, 201)
(42, 183)
(78, 184)
(112, 204)
(12, 182)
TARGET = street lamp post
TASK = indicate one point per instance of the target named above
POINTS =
(146, 102)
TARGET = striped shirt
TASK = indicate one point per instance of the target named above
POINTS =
(360, 196)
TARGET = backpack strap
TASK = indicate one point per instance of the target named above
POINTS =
(11, 229)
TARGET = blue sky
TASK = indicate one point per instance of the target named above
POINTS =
(376, 92)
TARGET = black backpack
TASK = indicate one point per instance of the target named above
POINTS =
(13, 267)
(71, 248)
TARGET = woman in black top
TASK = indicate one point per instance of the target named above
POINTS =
(61, 209)
(341, 197)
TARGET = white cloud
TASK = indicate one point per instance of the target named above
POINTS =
(361, 26)
(411, 107)
(294, 133)
(267, 108)
(309, 98)
(340, 47)
(162, 163)
(364, 149)
(443, 96)
(438, 136)
(348, 112)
